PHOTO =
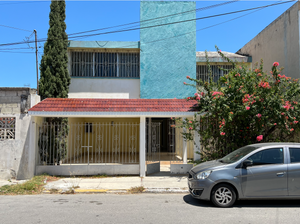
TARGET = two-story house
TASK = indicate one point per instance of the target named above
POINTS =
(123, 96)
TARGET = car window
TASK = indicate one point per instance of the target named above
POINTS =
(237, 154)
(295, 155)
(267, 156)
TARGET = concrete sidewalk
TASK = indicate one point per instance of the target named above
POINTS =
(152, 184)
(11, 182)
(159, 183)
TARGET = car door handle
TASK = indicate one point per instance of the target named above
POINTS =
(280, 174)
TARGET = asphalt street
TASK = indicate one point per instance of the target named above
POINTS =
(140, 208)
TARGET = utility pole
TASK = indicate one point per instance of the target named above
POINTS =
(37, 63)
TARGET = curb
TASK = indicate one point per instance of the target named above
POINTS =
(165, 190)
(113, 191)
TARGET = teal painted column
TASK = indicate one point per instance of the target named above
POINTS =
(168, 53)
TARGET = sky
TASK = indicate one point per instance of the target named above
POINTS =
(18, 66)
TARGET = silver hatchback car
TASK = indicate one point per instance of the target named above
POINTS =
(258, 171)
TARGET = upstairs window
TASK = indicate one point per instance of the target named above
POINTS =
(7, 128)
(105, 64)
(217, 72)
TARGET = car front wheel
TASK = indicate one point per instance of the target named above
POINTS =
(223, 195)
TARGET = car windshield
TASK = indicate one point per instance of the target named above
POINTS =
(237, 154)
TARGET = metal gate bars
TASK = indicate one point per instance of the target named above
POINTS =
(88, 143)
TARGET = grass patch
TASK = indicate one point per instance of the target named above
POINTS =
(136, 190)
(32, 186)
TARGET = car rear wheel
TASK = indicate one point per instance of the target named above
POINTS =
(223, 195)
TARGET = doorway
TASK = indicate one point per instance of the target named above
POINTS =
(161, 149)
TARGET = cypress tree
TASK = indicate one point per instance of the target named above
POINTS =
(54, 76)
(54, 83)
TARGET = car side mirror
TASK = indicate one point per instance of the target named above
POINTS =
(247, 163)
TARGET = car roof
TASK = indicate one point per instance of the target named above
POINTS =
(275, 144)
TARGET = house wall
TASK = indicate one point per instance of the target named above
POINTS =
(278, 42)
(104, 88)
(16, 155)
(164, 61)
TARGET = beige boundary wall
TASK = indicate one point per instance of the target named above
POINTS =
(278, 42)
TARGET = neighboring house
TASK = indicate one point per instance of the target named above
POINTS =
(17, 156)
(122, 98)
(278, 42)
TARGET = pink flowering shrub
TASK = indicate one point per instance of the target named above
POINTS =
(217, 93)
(259, 138)
(250, 106)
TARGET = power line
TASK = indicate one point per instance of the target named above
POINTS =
(199, 29)
(17, 48)
(200, 18)
(158, 18)
(20, 52)
(191, 31)
(204, 28)
(15, 28)
(11, 3)
(199, 9)
(183, 21)
(186, 33)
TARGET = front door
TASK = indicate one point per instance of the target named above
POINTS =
(268, 175)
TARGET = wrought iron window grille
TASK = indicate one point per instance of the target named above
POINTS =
(217, 72)
(105, 64)
(7, 128)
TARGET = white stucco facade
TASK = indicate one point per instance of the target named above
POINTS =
(104, 88)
